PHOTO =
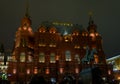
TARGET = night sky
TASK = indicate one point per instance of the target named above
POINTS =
(106, 15)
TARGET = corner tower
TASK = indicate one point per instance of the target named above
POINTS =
(95, 41)
(20, 68)
(24, 34)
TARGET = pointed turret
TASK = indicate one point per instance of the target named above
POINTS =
(24, 31)
(26, 21)
(92, 27)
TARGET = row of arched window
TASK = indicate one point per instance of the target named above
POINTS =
(42, 57)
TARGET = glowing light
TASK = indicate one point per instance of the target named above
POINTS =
(14, 71)
(47, 71)
(28, 71)
(109, 72)
(24, 28)
(118, 78)
(57, 57)
(76, 70)
(92, 35)
(61, 70)
(35, 70)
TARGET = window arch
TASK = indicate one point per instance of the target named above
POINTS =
(52, 58)
(68, 55)
(77, 58)
(41, 57)
(22, 57)
(30, 57)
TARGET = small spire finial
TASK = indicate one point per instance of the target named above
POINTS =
(90, 17)
(27, 9)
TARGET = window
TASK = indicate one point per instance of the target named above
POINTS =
(96, 60)
(77, 58)
(22, 57)
(42, 42)
(14, 71)
(30, 57)
(35, 70)
(42, 57)
(68, 55)
(28, 71)
(52, 58)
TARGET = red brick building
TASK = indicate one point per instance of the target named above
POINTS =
(51, 53)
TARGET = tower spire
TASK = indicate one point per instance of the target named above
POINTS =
(90, 18)
(26, 21)
(27, 9)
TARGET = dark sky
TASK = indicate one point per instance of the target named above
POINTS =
(106, 15)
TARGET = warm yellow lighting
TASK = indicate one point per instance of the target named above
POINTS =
(24, 28)
(47, 71)
(92, 35)
(96, 59)
(57, 57)
(109, 72)
(77, 46)
(14, 71)
(61, 70)
(118, 77)
(77, 70)
(35, 70)
(28, 71)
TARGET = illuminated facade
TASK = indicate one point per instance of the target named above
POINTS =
(4, 60)
(53, 51)
(115, 62)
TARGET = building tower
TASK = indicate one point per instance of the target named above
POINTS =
(22, 55)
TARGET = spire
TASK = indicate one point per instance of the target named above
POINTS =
(27, 9)
(90, 18)
(26, 21)
(92, 27)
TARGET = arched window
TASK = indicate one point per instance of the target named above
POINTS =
(52, 58)
(30, 57)
(68, 55)
(22, 57)
(77, 58)
(96, 60)
(42, 57)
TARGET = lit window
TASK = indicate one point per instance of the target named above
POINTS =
(22, 57)
(57, 57)
(76, 70)
(29, 29)
(24, 28)
(61, 70)
(42, 57)
(28, 71)
(52, 58)
(68, 55)
(14, 71)
(47, 71)
(14, 58)
(42, 29)
(35, 70)
(109, 72)
(77, 46)
(52, 30)
(77, 58)
(92, 35)
(96, 59)
(30, 58)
